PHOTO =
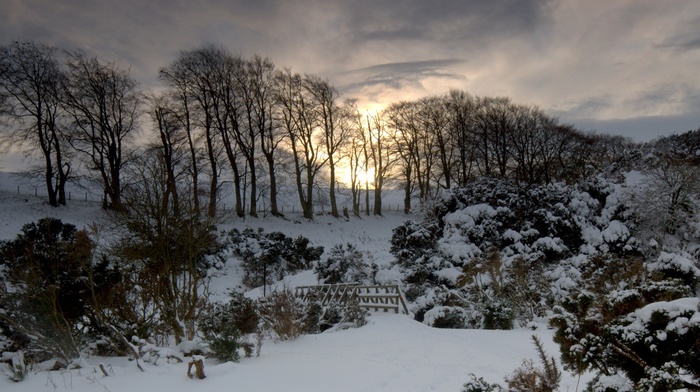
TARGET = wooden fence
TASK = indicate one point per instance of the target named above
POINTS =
(374, 297)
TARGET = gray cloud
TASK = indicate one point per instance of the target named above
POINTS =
(403, 74)
(686, 38)
(589, 61)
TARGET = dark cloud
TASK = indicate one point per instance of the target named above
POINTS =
(444, 20)
(686, 39)
(585, 61)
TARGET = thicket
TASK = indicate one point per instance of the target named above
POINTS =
(268, 257)
(49, 289)
(622, 296)
(344, 264)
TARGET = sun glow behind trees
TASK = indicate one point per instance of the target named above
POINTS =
(221, 119)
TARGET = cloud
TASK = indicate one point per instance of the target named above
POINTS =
(687, 37)
(402, 74)
(596, 60)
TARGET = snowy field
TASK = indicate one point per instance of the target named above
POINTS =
(391, 353)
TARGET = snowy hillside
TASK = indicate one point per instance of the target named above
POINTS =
(391, 353)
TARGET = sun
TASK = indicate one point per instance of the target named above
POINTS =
(363, 177)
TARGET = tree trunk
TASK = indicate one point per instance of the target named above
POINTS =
(334, 205)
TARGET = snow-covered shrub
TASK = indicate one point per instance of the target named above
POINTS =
(318, 319)
(227, 327)
(497, 315)
(528, 378)
(448, 317)
(624, 318)
(354, 316)
(478, 384)
(48, 293)
(503, 248)
(268, 257)
(18, 369)
(282, 313)
(220, 333)
(344, 264)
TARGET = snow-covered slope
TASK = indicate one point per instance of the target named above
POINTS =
(391, 353)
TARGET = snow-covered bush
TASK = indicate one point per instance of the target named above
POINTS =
(283, 314)
(17, 367)
(354, 316)
(478, 384)
(344, 264)
(227, 327)
(268, 257)
(626, 318)
(500, 247)
(46, 268)
(221, 335)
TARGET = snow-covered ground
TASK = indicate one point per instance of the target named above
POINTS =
(391, 353)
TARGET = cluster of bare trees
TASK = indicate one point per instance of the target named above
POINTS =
(223, 114)
(449, 140)
(83, 109)
(223, 119)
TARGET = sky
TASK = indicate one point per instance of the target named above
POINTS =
(623, 67)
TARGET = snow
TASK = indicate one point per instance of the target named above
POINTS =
(392, 353)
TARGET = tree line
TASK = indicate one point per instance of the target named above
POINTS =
(223, 119)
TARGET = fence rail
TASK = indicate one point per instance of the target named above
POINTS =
(373, 297)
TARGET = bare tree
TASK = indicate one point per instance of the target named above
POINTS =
(197, 76)
(461, 107)
(334, 135)
(300, 125)
(30, 80)
(403, 121)
(382, 156)
(171, 249)
(103, 102)
(261, 76)
(181, 91)
(171, 147)
(353, 125)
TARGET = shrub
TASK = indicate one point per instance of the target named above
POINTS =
(528, 378)
(227, 327)
(354, 316)
(479, 385)
(46, 268)
(497, 316)
(220, 332)
(631, 320)
(283, 313)
(18, 369)
(344, 264)
(270, 256)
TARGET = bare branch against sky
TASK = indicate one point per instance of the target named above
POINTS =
(622, 66)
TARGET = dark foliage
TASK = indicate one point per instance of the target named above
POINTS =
(270, 256)
(47, 268)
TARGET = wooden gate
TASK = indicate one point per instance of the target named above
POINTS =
(374, 297)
